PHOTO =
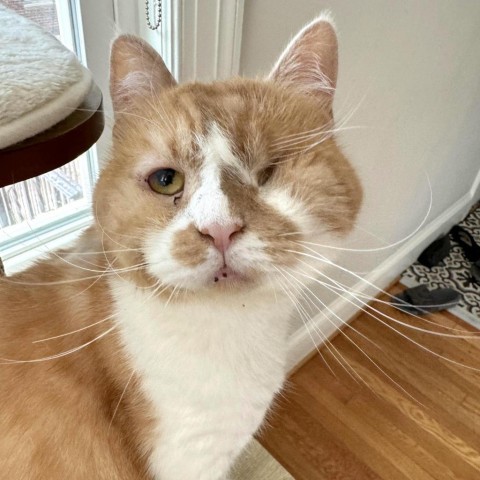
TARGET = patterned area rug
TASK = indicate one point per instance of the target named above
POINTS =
(453, 272)
(257, 464)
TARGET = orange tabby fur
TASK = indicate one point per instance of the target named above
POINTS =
(72, 416)
(75, 395)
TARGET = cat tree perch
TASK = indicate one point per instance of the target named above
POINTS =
(50, 108)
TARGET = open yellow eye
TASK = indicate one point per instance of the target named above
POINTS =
(166, 181)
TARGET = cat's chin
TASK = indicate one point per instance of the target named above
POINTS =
(230, 280)
(228, 275)
(226, 280)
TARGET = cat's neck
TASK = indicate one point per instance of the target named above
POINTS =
(212, 363)
(200, 319)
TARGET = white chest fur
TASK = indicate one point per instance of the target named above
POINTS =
(210, 368)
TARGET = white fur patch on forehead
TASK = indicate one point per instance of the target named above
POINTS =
(217, 148)
(209, 204)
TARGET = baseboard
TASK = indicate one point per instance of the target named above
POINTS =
(303, 342)
(475, 190)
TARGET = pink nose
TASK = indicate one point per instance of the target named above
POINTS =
(221, 235)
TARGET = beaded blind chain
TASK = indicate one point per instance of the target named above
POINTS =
(156, 13)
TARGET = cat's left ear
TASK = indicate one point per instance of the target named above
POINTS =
(135, 70)
(310, 61)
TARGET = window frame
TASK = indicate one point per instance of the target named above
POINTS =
(51, 227)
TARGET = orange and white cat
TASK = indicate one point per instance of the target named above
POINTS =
(153, 348)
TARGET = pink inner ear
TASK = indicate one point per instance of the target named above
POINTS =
(310, 62)
(134, 68)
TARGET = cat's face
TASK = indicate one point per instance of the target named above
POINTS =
(214, 186)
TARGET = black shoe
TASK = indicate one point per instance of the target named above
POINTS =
(467, 242)
(475, 271)
(420, 300)
(435, 252)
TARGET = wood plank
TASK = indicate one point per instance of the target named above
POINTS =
(318, 455)
(425, 416)
(363, 404)
(390, 462)
(430, 377)
(335, 426)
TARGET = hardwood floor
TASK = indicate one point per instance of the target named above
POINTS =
(418, 418)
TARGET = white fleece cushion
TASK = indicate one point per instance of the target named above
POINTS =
(41, 81)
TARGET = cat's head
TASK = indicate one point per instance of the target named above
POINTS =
(214, 185)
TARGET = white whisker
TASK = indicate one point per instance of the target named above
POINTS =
(342, 287)
(171, 295)
(99, 253)
(323, 134)
(75, 331)
(324, 305)
(423, 347)
(105, 233)
(394, 382)
(120, 399)
(324, 315)
(328, 344)
(7, 361)
(386, 247)
(329, 262)
(306, 324)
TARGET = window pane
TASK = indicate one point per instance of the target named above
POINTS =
(28, 206)
(43, 12)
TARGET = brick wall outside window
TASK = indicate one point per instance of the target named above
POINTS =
(42, 12)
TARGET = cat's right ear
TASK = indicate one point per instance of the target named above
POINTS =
(135, 70)
(309, 63)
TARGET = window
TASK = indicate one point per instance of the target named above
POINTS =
(43, 208)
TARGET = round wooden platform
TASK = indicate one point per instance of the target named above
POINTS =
(56, 146)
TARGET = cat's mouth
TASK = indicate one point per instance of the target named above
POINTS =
(228, 274)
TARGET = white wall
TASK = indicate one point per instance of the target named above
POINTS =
(412, 72)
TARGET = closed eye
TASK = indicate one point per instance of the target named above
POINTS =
(265, 175)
